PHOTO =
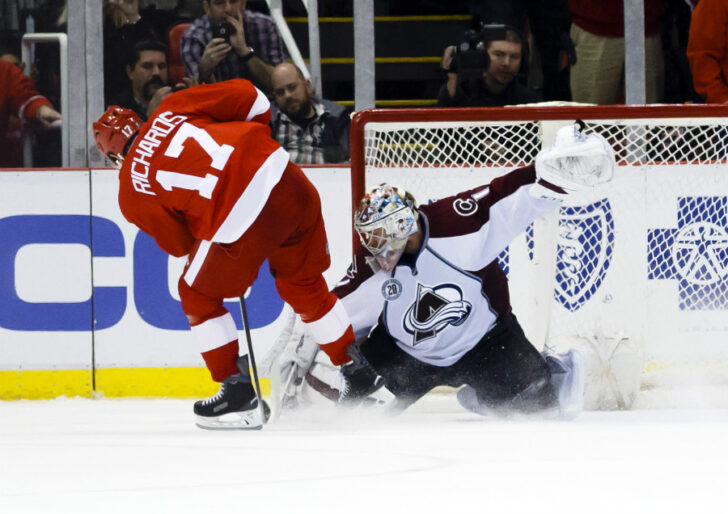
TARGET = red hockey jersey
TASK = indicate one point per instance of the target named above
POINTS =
(202, 166)
(18, 100)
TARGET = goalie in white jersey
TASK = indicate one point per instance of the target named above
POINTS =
(429, 303)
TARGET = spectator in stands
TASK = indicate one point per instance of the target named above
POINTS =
(313, 131)
(707, 50)
(10, 52)
(675, 33)
(597, 31)
(11, 58)
(548, 22)
(251, 50)
(124, 26)
(153, 20)
(19, 97)
(10, 47)
(494, 87)
(147, 73)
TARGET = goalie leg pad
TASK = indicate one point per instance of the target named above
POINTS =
(614, 372)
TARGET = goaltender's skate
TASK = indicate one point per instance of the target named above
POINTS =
(235, 406)
(567, 378)
(568, 373)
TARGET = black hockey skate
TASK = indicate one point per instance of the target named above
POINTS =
(235, 406)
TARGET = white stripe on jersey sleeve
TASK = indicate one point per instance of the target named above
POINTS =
(331, 327)
(260, 105)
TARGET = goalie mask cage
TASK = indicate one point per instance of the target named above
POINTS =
(642, 259)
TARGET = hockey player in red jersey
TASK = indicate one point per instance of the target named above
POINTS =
(430, 303)
(204, 178)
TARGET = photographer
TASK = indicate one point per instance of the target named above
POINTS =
(230, 42)
(482, 71)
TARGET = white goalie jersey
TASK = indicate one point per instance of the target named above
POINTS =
(439, 303)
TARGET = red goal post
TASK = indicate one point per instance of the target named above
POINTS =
(643, 259)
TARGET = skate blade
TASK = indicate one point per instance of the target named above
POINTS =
(246, 420)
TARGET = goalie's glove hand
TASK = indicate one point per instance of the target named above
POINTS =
(359, 380)
(576, 161)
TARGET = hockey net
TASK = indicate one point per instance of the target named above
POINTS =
(641, 263)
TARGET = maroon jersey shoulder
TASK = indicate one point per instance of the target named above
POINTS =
(467, 212)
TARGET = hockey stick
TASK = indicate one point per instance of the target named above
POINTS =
(252, 358)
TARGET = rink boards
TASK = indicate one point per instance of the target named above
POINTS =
(88, 304)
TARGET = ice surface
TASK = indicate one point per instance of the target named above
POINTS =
(138, 456)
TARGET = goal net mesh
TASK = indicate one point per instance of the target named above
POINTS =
(644, 258)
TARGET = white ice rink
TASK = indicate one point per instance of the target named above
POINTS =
(139, 456)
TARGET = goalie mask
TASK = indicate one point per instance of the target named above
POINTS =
(114, 130)
(385, 220)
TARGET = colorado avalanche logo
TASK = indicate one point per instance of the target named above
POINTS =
(586, 242)
(434, 309)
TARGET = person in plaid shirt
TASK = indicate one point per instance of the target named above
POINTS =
(311, 130)
(254, 46)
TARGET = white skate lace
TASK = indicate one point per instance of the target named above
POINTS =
(213, 399)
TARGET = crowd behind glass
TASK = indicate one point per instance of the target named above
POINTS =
(515, 52)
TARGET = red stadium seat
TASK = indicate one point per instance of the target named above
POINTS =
(176, 68)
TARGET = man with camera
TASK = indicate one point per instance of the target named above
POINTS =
(482, 71)
(229, 42)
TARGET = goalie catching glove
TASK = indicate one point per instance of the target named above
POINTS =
(576, 161)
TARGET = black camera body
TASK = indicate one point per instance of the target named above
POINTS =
(223, 30)
(471, 56)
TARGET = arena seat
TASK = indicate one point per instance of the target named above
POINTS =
(176, 68)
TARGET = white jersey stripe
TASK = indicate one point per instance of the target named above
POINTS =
(260, 105)
(251, 202)
(215, 332)
(21, 111)
(197, 261)
(331, 326)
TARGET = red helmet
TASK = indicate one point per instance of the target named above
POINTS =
(114, 129)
